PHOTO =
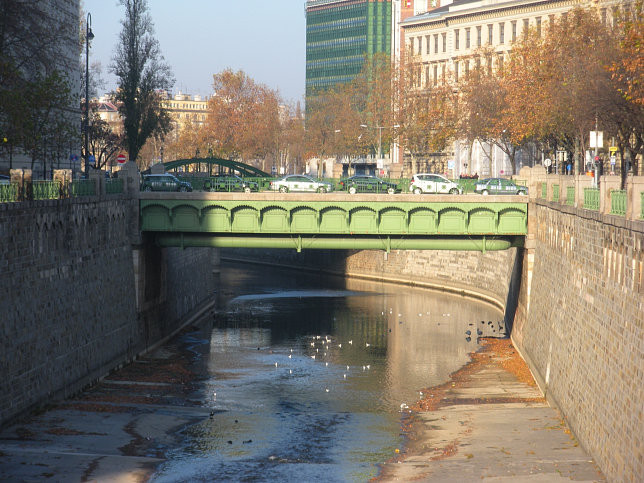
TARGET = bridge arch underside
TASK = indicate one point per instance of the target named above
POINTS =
(342, 225)
(217, 165)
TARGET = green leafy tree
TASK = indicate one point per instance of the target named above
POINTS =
(143, 75)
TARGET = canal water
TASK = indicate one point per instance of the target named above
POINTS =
(308, 377)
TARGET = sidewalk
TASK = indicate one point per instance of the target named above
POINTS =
(489, 423)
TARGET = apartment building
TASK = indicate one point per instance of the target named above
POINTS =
(443, 40)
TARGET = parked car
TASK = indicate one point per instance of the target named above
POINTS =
(230, 182)
(300, 182)
(368, 184)
(5, 179)
(499, 186)
(164, 182)
(433, 183)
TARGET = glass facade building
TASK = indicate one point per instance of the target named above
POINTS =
(340, 34)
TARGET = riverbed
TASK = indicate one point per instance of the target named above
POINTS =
(310, 377)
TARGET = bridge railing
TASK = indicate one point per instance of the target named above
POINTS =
(578, 191)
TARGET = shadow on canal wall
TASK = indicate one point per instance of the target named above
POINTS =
(82, 293)
(482, 276)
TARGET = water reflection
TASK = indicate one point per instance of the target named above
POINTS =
(306, 375)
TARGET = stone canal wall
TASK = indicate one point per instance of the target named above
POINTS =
(486, 276)
(580, 326)
(77, 298)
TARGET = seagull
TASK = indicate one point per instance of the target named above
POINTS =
(347, 368)
(290, 371)
(313, 356)
(367, 344)
(327, 364)
(290, 356)
(351, 342)
(340, 346)
(327, 389)
(368, 366)
(403, 406)
(276, 364)
(345, 376)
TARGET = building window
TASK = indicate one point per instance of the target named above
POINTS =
(502, 33)
(489, 34)
(526, 26)
(444, 41)
(456, 39)
(428, 41)
(467, 38)
(411, 46)
(500, 63)
(456, 70)
(551, 22)
(443, 68)
(514, 31)
(427, 75)
(420, 45)
(538, 20)
(478, 36)
(436, 43)
(435, 74)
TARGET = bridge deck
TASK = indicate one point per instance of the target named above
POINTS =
(334, 220)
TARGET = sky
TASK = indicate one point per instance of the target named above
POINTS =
(199, 38)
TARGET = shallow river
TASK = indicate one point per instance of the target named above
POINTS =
(308, 377)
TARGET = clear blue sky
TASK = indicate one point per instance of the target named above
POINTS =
(199, 38)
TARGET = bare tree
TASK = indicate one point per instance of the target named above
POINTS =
(143, 76)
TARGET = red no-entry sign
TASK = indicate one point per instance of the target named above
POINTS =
(121, 158)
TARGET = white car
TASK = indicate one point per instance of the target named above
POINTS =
(300, 182)
(433, 183)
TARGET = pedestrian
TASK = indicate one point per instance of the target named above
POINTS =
(569, 168)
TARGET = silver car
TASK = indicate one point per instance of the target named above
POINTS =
(433, 183)
(300, 182)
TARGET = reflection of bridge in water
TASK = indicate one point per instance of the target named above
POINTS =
(335, 221)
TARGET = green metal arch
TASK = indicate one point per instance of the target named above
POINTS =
(243, 168)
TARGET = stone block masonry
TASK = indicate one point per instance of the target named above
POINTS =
(69, 311)
(486, 276)
(580, 325)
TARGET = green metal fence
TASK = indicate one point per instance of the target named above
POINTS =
(591, 199)
(114, 186)
(555, 192)
(82, 187)
(46, 190)
(8, 193)
(544, 191)
(570, 195)
(618, 202)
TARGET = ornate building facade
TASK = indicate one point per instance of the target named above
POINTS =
(443, 40)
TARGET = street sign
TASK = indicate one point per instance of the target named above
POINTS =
(547, 162)
(121, 158)
(612, 150)
(596, 139)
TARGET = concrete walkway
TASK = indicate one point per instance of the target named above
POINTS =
(489, 423)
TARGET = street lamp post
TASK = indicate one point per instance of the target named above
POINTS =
(89, 35)
(380, 128)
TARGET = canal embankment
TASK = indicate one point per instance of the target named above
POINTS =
(490, 422)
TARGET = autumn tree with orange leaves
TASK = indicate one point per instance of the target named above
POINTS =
(243, 118)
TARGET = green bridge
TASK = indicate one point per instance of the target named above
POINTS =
(335, 221)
